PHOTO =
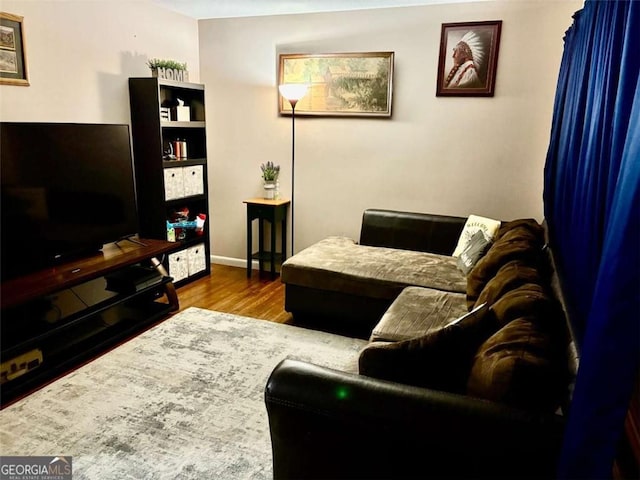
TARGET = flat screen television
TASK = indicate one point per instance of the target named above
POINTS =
(67, 189)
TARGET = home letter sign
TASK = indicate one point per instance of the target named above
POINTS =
(173, 74)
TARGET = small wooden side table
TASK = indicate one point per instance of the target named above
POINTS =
(272, 211)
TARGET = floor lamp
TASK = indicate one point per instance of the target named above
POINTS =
(293, 92)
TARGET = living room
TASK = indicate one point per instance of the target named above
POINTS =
(444, 155)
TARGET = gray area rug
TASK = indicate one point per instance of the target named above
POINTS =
(182, 400)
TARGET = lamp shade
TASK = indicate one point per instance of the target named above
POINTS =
(293, 91)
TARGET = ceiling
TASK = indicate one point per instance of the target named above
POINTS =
(201, 9)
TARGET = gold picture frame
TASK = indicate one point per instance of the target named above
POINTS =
(468, 59)
(339, 84)
(13, 57)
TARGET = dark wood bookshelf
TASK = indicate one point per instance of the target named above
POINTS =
(160, 193)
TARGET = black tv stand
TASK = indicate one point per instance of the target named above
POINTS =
(56, 319)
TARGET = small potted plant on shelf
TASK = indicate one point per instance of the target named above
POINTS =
(168, 69)
(270, 172)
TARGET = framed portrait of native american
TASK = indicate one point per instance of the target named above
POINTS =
(468, 59)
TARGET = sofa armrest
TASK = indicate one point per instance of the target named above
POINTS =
(330, 424)
(411, 231)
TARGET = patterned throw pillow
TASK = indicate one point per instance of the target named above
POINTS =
(475, 224)
(474, 250)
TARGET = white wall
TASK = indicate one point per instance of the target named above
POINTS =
(441, 155)
(80, 55)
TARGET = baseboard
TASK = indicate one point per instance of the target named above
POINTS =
(233, 262)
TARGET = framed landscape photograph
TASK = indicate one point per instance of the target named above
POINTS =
(468, 59)
(339, 84)
(13, 60)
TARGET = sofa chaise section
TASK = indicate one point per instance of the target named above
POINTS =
(345, 286)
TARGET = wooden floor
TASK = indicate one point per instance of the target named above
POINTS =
(229, 290)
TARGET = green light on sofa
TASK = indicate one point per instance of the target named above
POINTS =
(342, 393)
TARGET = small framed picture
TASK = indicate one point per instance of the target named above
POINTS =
(468, 59)
(13, 58)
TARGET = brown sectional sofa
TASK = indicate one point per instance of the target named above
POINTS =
(483, 398)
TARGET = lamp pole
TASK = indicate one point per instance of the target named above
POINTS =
(293, 166)
(293, 92)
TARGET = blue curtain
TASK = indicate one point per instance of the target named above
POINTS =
(592, 207)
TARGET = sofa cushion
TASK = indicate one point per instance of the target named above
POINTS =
(523, 364)
(440, 359)
(521, 240)
(417, 311)
(522, 227)
(339, 264)
(528, 300)
(474, 223)
(510, 276)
